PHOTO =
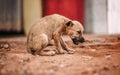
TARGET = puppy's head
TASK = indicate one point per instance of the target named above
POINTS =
(75, 30)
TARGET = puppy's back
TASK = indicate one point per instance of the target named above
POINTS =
(47, 23)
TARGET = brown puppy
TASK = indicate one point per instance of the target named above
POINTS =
(52, 27)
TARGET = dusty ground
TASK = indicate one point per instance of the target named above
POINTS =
(99, 55)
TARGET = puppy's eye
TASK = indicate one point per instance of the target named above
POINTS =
(79, 32)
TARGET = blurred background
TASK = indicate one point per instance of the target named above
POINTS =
(97, 16)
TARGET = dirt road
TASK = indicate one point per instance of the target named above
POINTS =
(99, 55)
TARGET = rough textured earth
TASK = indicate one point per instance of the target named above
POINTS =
(99, 55)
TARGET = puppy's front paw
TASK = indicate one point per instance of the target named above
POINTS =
(70, 51)
(52, 53)
(47, 53)
(62, 52)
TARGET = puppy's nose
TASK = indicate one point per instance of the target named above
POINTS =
(75, 41)
(82, 40)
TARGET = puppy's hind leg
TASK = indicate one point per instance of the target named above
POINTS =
(41, 43)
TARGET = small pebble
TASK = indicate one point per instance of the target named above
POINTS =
(93, 50)
(1, 45)
(107, 56)
(6, 46)
(87, 57)
(61, 65)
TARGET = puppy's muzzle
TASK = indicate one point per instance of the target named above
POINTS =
(77, 40)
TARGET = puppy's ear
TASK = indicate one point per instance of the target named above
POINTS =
(69, 23)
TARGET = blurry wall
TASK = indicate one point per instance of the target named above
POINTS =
(10, 16)
(96, 16)
(17, 16)
(113, 16)
(73, 9)
(32, 10)
(102, 16)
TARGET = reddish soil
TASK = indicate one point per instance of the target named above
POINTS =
(99, 55)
